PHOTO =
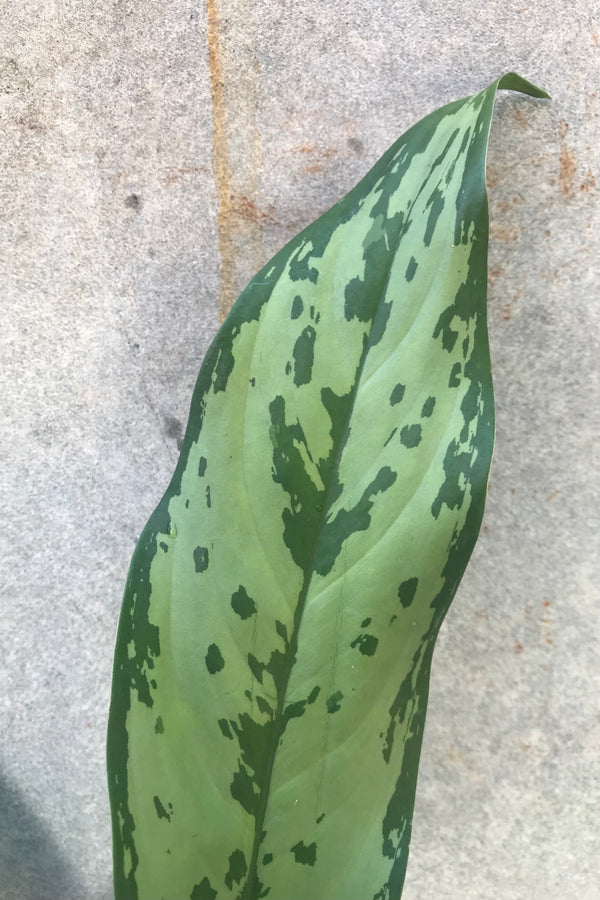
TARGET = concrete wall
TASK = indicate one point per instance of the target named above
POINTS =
(154, 154)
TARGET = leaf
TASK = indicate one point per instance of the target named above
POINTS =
(282, 604)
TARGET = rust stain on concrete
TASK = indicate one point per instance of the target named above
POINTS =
(520, 117)
(246, 208)
(588, 185)
(320, 156)
(491, 176)
(571, 183)
(545, 623)
(220, 160)
(506, 205)
(494, 272)
(177, 173)
(505, 233)
(236, 145)
(567, 163)
(567, 171)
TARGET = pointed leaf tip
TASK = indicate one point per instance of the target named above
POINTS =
(511, 81)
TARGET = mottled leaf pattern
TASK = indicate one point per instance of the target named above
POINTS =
(282, 605)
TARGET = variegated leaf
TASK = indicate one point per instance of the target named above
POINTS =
(282, 605)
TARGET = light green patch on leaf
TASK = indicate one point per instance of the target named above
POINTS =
(283, 600)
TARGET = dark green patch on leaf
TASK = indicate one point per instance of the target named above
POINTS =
(407, 591)
(454, 380)
(397, 822)
(267, 858)
(411, 269)
(214, 660)
(362, 296)
(294, 710)
(225, 729)
(348, 521)
(160, 810)
(301, 518)
(307, 855)
(158, 726)
(242, 603)
(448, 334)
(366, 643)
(410, 436)
(243, 791)
(203, 891)
(436, 202)
(380, 323)
(297, 307)
(281, 631)
(256, 667)
(237, 868)
(333, 702)
(201, 559)
(397, 394)
(313, 694)
(201, 466)
(470, 408)
(366, 622)
(457, 466)
(225, 360)
(264, 706)
(428, 408)
(300, 268)
(304, 356)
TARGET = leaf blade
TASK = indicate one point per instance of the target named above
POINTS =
(249, 629)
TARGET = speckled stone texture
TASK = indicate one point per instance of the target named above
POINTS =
(153, 156)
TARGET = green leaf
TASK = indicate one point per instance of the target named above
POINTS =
(282, 604)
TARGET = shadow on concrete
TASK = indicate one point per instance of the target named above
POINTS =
(31, 865)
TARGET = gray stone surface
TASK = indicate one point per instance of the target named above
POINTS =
(152, 156)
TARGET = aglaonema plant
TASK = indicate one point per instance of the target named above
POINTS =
(282, 605)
